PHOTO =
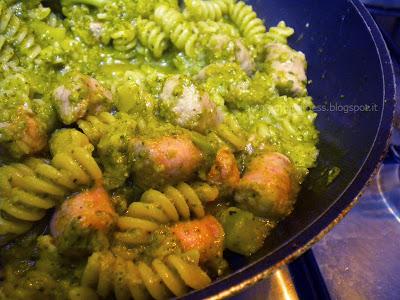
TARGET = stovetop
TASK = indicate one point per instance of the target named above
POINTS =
(360, 257)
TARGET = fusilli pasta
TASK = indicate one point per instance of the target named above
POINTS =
(156, 208)
(28, 189)
(231, 132)
(205, 10)
(94, 127)
(25, 198)
(212, 27)
(108, 274)
(251, 27)
(223, 135)
(14, 34)
(279, 33)
(167, 17)
(124, 39)
(183, 35)
(173, 204)
(80, 164)
(152, 37)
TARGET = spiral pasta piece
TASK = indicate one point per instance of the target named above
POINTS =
(224, 5)
(25, 198)
(94, 127)
(167, 17)
(229, 136)
(229, 133)
(204, 10)
(156, 208)
(124, 40)
(28, 190)
(152, 37)
(80, 164)
(279, 34)
(251, 27)
(14, 34)
(174, 275)
(170, 205)
(212, 27)
(183, 35)
(134, 231)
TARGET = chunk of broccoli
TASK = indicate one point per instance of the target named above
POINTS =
(244, 233)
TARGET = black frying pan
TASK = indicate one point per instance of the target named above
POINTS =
(349, 64)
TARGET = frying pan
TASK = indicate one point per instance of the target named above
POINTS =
(349, 64)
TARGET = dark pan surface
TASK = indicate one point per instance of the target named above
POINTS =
(349, 65)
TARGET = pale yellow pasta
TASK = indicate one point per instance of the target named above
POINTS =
(174, 203)
(108, 275)
(183, 34)
(29, 189)
(279, 33)
(245, 18)
(152, 37)
(170, 205)
(95, 127)
(205, 10)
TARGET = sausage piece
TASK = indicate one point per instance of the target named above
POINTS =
(24, 135)
(164, 160)
(184, 104)
(205, 235)
(268, 187)
(224, 172)
(288, 69)
(80, 218)
(33, 137)
(80, 95)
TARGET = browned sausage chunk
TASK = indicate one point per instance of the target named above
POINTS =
(205, 235)
(224, 172)
(165, 160)
(34, 137)
(268, 187)
(82, 218)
